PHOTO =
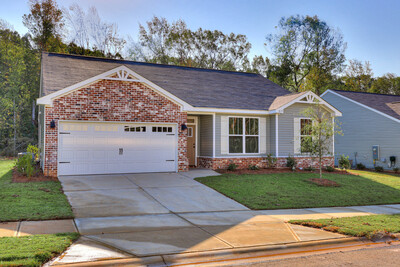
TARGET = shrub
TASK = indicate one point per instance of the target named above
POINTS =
(329, 169)
(378, 168)
(309, 168)
(34, 150)
(253, 167)
(232, 167)
(396, 169)
(271, 161)
(291, 163)
(360, 166)
(25, 166)
(344, 162)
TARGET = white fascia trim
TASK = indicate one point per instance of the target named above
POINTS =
(226, 110)
(362, 105)
(48, 99)
(309, 93)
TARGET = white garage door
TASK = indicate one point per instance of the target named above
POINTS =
(101, 148)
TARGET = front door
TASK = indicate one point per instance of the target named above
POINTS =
(191, 144)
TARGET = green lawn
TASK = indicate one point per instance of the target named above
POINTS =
(30, 201)
(292, 190)
(357, 226)
(33, 250)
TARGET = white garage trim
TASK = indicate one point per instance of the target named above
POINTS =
(120, 132)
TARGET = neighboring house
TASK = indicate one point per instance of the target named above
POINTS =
(370, 121)
(102, 115)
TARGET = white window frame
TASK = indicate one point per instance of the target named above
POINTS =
(300, 135)
(243, 135)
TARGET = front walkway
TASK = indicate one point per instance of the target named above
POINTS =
(150, 216)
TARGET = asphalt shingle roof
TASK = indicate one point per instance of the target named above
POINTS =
(198, 87)
(380, 102)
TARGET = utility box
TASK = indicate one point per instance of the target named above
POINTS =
(375, 152)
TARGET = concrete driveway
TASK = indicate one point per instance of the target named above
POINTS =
(167, 213)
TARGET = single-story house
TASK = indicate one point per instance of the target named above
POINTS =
(370, 126)
(99, 115)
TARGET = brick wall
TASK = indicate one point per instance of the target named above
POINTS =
(243, 163)
(114, 101)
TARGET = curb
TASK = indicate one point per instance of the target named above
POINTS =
(193, 257)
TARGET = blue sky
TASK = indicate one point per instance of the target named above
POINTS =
(370, 28)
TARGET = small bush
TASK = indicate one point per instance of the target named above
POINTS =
(396, 169)
(344, 162)
(360, 166)
(291, 163)
(253, 167)
(271, 161)
(25, 166)
(329, 169)
(232, 167)
(34, 150)
(310, 169)
(378, 168)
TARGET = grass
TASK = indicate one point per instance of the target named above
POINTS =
(30, 201)
(33, 250)
(292, 190)
(357, 226)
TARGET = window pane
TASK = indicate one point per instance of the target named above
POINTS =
(251, 126)
(306, 144)
(235, 144)
(305, 125)
(235, 126)
(251, 144)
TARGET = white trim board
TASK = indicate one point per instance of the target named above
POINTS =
(362, 105)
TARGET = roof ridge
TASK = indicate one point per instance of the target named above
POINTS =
(358, 92)
(124, 61)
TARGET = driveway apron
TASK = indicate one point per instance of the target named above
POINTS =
(166, 213)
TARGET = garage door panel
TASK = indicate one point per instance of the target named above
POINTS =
(95, 149)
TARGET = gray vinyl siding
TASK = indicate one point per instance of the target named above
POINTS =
(206, 135)
(362, 128)
(286, 128)
(218, 136)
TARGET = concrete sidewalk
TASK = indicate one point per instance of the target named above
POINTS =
(23, 228)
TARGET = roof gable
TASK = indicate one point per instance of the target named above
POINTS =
(379, 103)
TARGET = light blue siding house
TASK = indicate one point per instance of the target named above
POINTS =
(371, 127)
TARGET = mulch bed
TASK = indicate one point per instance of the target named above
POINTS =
(276, 170)
(37, 177)
(324, 182)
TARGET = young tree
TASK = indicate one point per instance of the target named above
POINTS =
(306, 48)
(44, 23)
(320, 131)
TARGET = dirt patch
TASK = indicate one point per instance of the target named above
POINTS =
(324, 182)
(276, 170)
(37, 177)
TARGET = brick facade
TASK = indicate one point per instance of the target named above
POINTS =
(243, 163)
(114, 101)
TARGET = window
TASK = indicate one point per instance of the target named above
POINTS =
(190, 132)
(305, 135)
(137, 129)
(243, 135)
(161, 129)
